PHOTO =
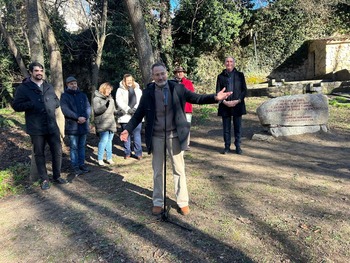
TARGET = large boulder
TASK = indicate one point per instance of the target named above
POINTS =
(296, 114)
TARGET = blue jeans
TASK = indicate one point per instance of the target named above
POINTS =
(77, 149)
(237, 123)
(105, 144)
(136, 136)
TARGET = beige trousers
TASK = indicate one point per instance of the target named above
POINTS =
(178, 166)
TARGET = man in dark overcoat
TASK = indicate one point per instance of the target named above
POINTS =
(232, 108)
(37, 98)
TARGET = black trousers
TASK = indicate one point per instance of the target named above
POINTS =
(237, 123)
(54, 142)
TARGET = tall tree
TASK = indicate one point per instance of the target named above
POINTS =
(56, 75)
(202, 26)
(13, 48)
(100, 29)
(166, 41)
(36, 49)
(142, 39)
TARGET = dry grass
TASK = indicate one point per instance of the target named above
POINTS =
(286, 200)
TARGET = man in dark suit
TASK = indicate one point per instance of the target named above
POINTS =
(233, 107)
(163, 106)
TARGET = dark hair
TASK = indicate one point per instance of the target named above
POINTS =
(35, 64)
(158, 64)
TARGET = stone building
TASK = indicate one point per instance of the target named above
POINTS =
(327, 59)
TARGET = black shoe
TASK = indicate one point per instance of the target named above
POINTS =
(239, 150)
(84, 168)
(45, 185)
(59, 180)
(225, 151)
(76, 171)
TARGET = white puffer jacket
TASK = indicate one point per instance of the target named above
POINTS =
(122, 99)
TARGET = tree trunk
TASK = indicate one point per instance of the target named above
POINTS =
(142, 39)
(100, 39)
(36, 52)
(34, 34)
(166, 41)
(14, 50)
(53, 48)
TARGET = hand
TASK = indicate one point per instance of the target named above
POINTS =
(120, 113)
(81, 120)
(131, 112)
(124, 136)
(231, 103)
(222, 95)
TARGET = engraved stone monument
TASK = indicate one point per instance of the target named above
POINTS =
(296, 114)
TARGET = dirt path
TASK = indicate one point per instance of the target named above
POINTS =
(283, 200)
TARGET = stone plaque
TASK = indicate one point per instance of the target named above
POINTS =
(296, 110)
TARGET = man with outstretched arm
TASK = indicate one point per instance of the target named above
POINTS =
(163, 102)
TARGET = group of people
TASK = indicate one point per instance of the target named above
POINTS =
(165, 106)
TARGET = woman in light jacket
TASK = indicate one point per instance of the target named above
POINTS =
(106, 126)
(128, 98)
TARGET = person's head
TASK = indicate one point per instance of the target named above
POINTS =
(72, 83)
(128, 81)
(230, 63)
(105, 88)
(179, 72)
(36, 70)
(159, 74)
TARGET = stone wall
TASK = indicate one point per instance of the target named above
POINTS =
(275, 89)
(338, 56)
(324, 59)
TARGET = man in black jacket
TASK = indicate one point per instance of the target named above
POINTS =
(38, 100)
(163, 106)
(233, 107)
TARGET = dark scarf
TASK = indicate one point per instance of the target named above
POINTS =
(132, 98)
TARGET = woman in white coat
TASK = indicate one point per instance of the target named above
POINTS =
(128, 98)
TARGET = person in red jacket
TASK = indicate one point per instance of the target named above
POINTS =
(179, 73)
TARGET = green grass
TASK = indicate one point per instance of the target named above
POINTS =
(206, 110)
(10, 119)
(340, 102)
(12, 179)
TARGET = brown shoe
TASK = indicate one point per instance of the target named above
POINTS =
(185, 210)
(157, 210)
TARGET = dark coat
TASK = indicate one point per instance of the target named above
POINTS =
(147, 109)
(104, 111)
(75, 104)
(39, 107)
(239, 92)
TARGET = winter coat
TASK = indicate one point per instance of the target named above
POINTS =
(239, 92)
(122, 99)
(147, 109)
(188, 85)
(39, 107)
(75, 104)
(104, 111)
